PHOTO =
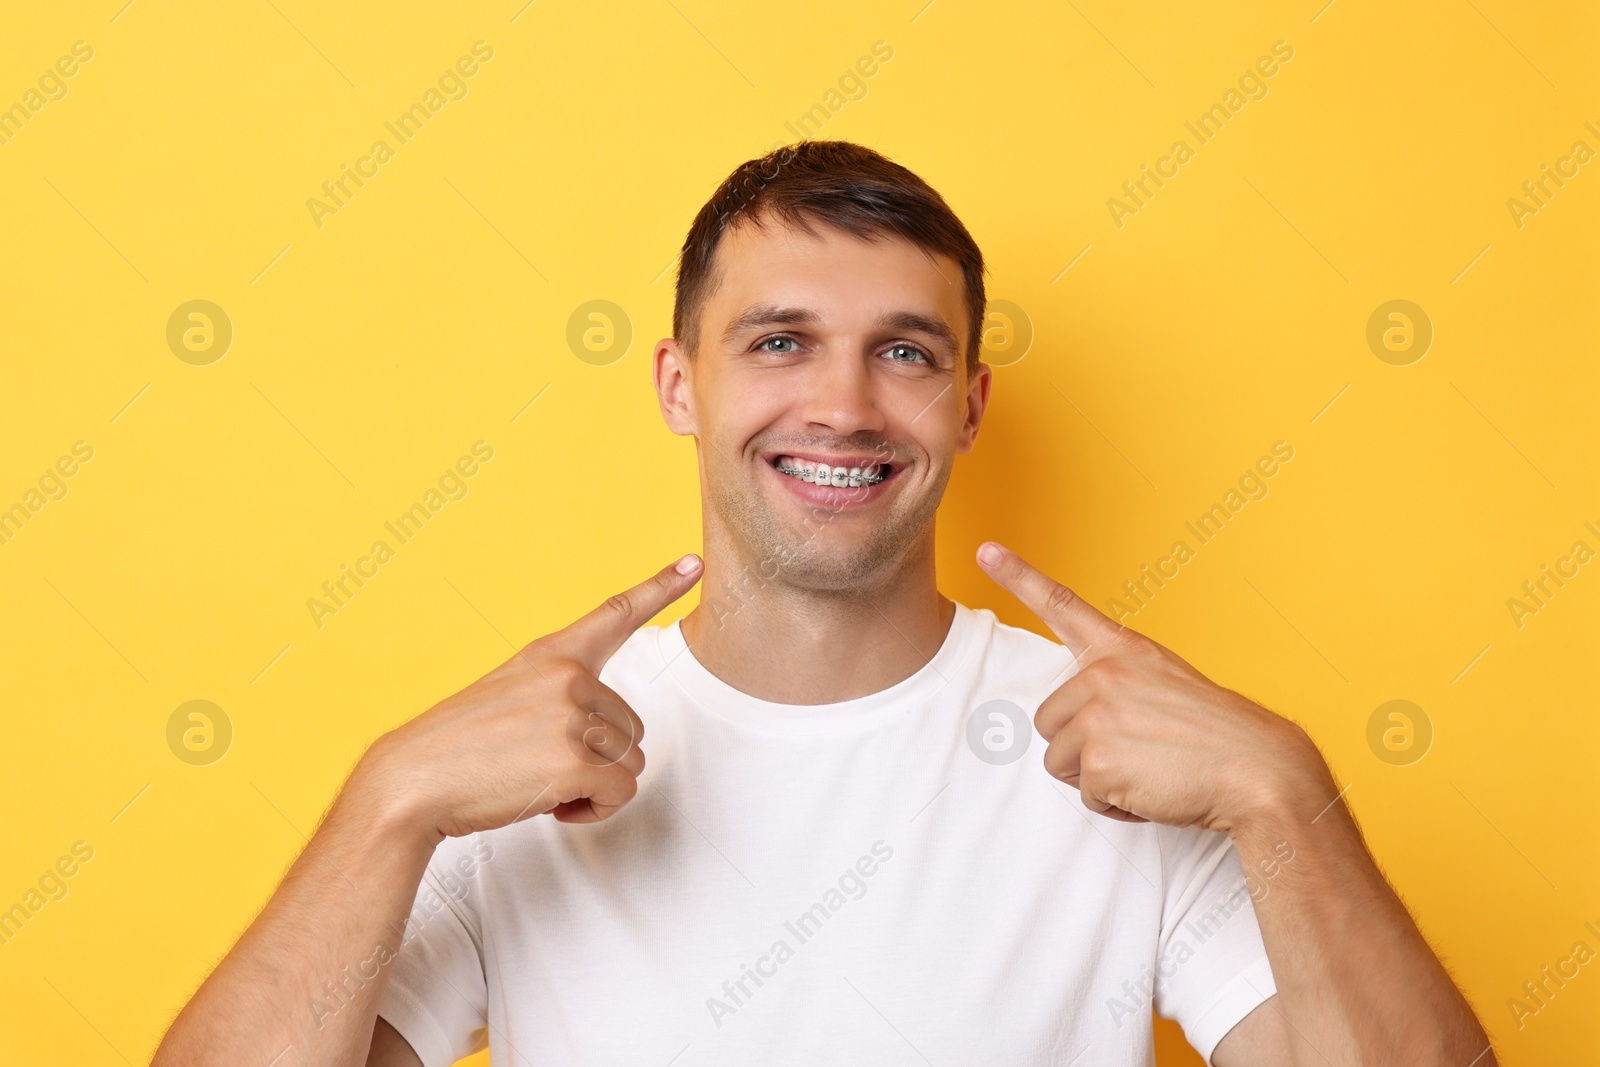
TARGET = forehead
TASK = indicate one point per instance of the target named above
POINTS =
(843, 276)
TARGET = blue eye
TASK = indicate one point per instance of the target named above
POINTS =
(770, 340)
(916, 352)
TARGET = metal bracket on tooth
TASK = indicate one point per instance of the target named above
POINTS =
(792, 471)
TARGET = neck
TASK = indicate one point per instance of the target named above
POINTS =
(795, 645)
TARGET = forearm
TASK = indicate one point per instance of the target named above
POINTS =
(301, 977)
(1356, 981)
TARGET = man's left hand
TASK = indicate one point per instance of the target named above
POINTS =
(1146, 737)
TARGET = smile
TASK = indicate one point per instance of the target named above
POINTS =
(846, 474)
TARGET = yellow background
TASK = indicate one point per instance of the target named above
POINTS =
(1229, 313)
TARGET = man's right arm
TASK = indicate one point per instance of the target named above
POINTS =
(541, 733)
(348, 892)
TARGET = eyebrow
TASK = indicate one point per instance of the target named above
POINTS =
(774, 315)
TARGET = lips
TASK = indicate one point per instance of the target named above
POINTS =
(834, 459)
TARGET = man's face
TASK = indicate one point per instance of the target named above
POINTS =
(825, 350)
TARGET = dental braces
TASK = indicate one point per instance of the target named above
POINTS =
(866, 479)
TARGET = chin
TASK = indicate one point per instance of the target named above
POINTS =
(837, 559)
(827, 572)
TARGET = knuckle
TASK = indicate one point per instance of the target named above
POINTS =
(1059, 598)
(620, 604)
(624, 787)
(1092, 761)
(1134, 642)
(541, 648)
(1107, 673)
(1042, 720)
(563, 673)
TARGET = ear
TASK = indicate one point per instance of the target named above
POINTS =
(672, 372)
(977, 402)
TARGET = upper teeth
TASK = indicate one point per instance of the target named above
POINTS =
(823, 474)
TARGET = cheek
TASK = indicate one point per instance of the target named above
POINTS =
(755, 412)
(739, 401)
(923, 419)
(749, 420)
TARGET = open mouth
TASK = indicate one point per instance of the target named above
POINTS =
(842, 472)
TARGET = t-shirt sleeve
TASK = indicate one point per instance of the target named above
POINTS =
(1212, 968)
(436, 996)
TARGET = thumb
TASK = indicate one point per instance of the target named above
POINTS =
(596, 637)
(1081, 627)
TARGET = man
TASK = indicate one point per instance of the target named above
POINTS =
(837, 852)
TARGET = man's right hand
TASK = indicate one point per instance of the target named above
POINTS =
(540, 733)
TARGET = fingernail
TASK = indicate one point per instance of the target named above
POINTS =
(989, 553)
(687, 565)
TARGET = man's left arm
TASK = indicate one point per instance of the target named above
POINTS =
(1146, 737)
(1357, 983)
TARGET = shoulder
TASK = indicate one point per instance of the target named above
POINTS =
(452, 884)
(639, 655)
(1018, 651)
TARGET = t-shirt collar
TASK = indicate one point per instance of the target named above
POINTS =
(713, 694)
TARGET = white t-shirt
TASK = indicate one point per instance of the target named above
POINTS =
(893, 879)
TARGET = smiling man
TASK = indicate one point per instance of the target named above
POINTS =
(843, 848)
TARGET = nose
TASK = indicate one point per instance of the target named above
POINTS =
(840, 395)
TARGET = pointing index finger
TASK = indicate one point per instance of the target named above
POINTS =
(1085, 631)
(595, 637)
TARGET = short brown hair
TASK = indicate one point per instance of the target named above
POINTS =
(839, 183)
